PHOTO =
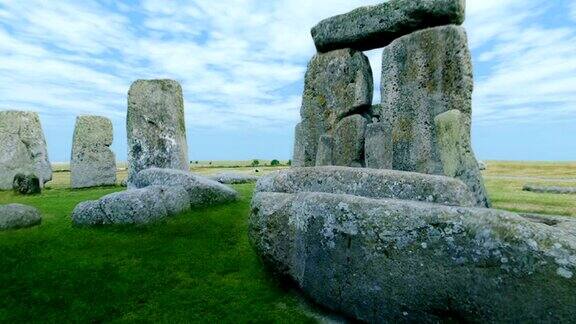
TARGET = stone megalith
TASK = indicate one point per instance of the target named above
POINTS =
(22, 148)
(155, 126)
(14, 216)
(349, 141)
(378, 146)
(325, 154)
(338, 84)
(93, 163)
(425, 74)
(371, 27)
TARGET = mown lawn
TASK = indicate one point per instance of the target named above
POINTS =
(197, 267)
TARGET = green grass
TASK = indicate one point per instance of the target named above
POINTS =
(197, 267)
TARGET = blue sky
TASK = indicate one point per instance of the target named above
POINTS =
(242, 62)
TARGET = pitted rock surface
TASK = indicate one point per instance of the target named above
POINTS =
(138, 206)
(22, 148)
(337, 84)
(93, 163)
(426, 74)
(370, 183)
(201, 190)
(371, 27)
(384, 260)
(156, 127)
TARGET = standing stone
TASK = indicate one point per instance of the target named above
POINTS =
(458, 160)
(93, 163)
(372, 27)
(378, 146)
(349, 141)
(426, 74)
(156, 128)
(22, 148)
(337, 84)
(325, 153)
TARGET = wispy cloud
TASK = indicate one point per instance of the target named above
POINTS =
(242, 62)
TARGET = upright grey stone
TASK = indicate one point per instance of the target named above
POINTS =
(337, 84)
(156, 128)
(325, 151)
(22, 148)
(372, 27)
(349, 141)
(425, 74)
(93, 163)
(378, 146)
(458, 160)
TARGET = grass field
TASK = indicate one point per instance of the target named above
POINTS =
(197, 267)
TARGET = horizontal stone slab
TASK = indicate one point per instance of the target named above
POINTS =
(388, 261)
(371, 183)
(372, 27)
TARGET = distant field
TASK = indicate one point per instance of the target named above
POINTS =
(504, 181)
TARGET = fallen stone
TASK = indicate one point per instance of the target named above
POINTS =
(156, 128)
(387, 260)
(22, 147)
(234, 178)
(458, 160)
(550, 189)
(378, 146)
(14, 216)
(372, 27)
(325, 153)
(139, 206)
(482, 165)
(426, 74)
(202, 191)
(337, 84)
(26, 184)
(349, 141)
(93, 163)
(371, 183)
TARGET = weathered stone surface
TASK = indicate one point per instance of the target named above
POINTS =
(337, 84)
(426, 74)
(400, 261)
(458, 160)
(138, 206)
(234, 178)
(325, 154)
(202, 191)
(378, 146)
(371, 27)
(22, 148)
(18, 216)
(156, 128)
(26, 184)
(482, 165)
(550, 189)
(371, 183)
(349, 141)
(93, 163)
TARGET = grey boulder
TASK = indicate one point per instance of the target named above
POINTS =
(384, 260)
(139, 206)
(22, 148)
(156, 127)
(370, 183)
(93, 163)
(14, 216)
(26, 184)
(371, 27)
(202, 191)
